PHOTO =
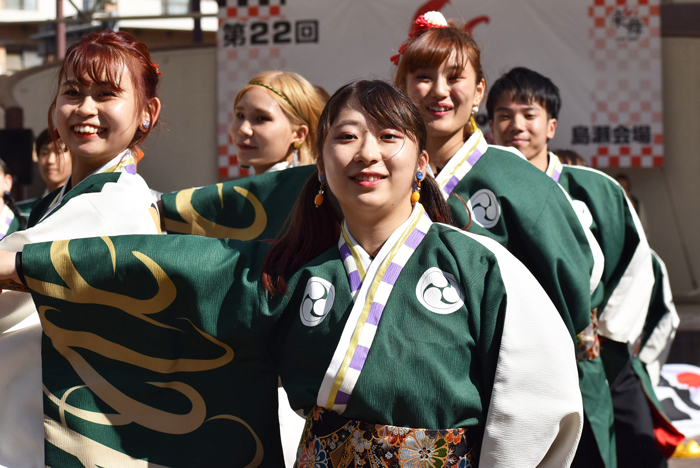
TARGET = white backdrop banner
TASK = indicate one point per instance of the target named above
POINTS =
(604, 55)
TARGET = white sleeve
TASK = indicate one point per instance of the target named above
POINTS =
(120, 208)
(657, 347)
(623, 318)
(535, 417)
(585, 219)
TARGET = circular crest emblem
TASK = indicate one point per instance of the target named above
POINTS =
(485, 208)
(583, 213)
(438, 292)
(318, 300)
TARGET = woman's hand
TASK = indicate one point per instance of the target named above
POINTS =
(8, 272)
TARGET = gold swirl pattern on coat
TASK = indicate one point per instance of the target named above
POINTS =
(126, 409)
(198, 225)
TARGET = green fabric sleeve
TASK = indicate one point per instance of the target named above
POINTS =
(245, 209)
(154, 345)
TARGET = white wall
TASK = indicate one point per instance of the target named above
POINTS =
(182, 152)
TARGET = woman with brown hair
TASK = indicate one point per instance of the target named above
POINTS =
(507, 198)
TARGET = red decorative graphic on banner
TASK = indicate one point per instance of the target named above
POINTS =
(469, 27)
(689, 379)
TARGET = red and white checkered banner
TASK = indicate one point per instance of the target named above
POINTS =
(604, 55)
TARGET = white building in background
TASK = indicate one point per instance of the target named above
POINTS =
(27, 35)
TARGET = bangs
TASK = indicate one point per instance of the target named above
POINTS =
(388, 107)
(436, 46)
(387, 111)
(96, 63)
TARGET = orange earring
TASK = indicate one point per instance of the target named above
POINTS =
(415, 196)
(318, 200)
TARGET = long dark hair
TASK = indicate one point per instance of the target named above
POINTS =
(10, 200)
(314, 230)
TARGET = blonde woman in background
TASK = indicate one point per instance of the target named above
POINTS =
(274, 121)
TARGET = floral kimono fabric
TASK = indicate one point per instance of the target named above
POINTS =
(332, 441)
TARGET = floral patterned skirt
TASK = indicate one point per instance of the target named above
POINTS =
(331, 441)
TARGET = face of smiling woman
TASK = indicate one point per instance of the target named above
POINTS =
(261, 131)
(446, 96)
(370, 169)
(96, 121)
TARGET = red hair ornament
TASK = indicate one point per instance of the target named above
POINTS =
(430, 20)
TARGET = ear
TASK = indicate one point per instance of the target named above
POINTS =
(152, 111)
(7, 181)
(491, 127)
(551, 128)
(479, 92)
(300, 134)
(423, 160)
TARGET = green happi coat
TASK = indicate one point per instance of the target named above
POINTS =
(512, 202)
(622, 298)
(435, 332)
(245, 209)
(532, 218)
(627, 280)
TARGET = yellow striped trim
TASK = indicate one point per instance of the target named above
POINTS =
(464, 161)
(353, 252)
(368, 305)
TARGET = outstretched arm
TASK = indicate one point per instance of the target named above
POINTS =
(244, 209)
(9, 279)
(175, 320)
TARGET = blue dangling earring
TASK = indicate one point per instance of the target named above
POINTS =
(415, 196)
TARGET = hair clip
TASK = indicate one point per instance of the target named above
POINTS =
(156, 67)
(430, 20)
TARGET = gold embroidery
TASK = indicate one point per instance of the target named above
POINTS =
(198, 225)
(126, 409)
(79, 292)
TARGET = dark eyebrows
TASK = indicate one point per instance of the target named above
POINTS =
(355, 123)
(508, 109)
(71, 82)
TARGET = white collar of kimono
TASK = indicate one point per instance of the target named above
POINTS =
(554, 167)
(369, 297)
(280, 166)
(123, 162)
(461, 163)
(6, 218)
